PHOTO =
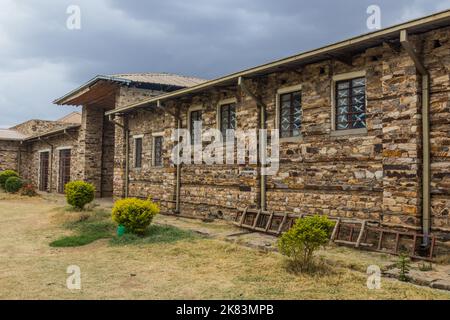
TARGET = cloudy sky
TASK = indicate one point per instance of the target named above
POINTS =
(41, 59)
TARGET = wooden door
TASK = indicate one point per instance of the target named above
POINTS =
(64, 169)
(44, 170)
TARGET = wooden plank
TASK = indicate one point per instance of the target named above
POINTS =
(433, 243)
(380, 241)
(361, 233)
(350, 243)
(280, 228)
(244, 214)
(256, 219)
(336, 227)
(269, 222)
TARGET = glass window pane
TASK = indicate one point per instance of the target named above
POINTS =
(343, 85)
(358, 82)
(351, 104)
(158, 151)
(290, 114)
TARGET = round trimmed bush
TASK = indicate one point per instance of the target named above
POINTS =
(5, 175)
(13, 184)
(79, 193)
(303, 239)
(134, 214)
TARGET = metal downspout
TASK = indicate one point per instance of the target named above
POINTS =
(178, 171)
(178, 178)
(262, 125)
(127, 160)
(426, 165)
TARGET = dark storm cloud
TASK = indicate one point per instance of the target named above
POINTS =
(40, 59)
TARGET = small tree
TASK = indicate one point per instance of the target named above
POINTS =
(404, 264)
(79, 194)
(303, 239)
(5, 175)
(134, 214)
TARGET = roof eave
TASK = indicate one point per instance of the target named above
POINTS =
(64, 100)
(380, 35)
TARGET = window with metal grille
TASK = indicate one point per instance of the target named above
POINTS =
(290, 114)
(351, 104)
(158, 151)
(227, 118)
(195, 116)
(138, 152)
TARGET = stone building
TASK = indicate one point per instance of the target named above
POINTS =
(80, 146)
(364, 127)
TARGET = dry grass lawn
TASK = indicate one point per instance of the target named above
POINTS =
(188, 269)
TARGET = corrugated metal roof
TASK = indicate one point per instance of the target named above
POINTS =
(161, 78)
(8, 134)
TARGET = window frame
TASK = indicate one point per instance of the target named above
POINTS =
(222, 103)
(280, 92)
(40, 152)
(194, 108)
(59, 149)
(345, 77)
(135, 138)
(154, 137)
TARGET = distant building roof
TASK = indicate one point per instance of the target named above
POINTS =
(161, 78)
(101, 85)
(9, 134)
(56, 131)
(74, 117)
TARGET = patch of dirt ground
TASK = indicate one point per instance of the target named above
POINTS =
(205, 268)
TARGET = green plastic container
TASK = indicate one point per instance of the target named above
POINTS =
(120, 231)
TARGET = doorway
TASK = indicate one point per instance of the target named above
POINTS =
(64, 169)
(44, 159)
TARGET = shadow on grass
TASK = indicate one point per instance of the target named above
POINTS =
(88, 227)
(156, 234)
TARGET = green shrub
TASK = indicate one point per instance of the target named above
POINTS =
(79, 193)
(134, 214)
(13, 184)
(305, 237)
(5, 175)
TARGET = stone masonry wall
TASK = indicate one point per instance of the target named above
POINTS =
(31, 159)
(374, 175)
(436, 50)
(144, 180)
(9, 155)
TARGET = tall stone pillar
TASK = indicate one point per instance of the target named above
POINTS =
(91, 140)
(401, 117)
